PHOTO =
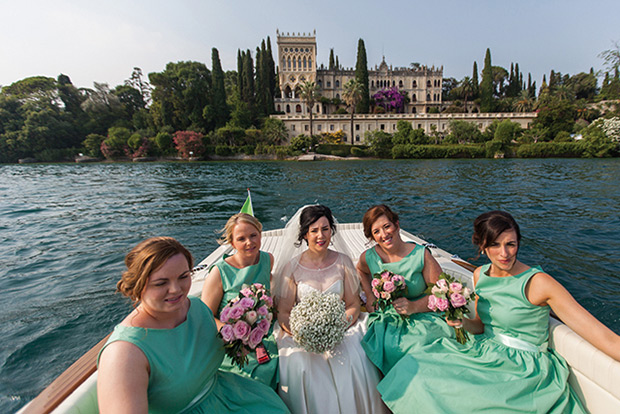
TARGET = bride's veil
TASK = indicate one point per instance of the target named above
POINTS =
(289, 249)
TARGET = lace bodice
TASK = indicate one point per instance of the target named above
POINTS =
(303, 289)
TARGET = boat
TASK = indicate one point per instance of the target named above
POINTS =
(593, 375)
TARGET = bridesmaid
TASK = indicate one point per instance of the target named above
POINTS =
(507, 367)
(164, 356)
(247, 265)
(389, 336)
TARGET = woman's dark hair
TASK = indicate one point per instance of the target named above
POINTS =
(488, 226)
(309, 216)
(373, 214)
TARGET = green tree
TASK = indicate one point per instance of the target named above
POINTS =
(92, 145)
(219, 110)
(404, 130)
(352, 95)
(136, 81)
(462, 132)
(274, 131)
(309, 93)
(180, 95)
(474, 81)
(361, 76)
(486, 86)
(332, 61)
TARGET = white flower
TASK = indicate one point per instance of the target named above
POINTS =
(318, 322)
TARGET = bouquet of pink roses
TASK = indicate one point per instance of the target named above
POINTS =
(387, 286)
(247, 319)
(450, 297)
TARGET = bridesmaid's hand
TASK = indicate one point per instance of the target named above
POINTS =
(455, 323)
(402, 306)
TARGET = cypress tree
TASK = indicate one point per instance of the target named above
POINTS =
(475, 82)
(219, 108)
(239, 73)
(361, 75)
(486, 86)
(261, 85)
(271, 74)
(247, 93)
(332, 62)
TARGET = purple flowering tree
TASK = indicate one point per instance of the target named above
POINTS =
(390, 99)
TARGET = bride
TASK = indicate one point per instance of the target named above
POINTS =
(341, 380)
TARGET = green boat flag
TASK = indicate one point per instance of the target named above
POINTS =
(247, 206)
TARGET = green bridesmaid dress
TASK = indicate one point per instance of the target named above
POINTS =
(389, 336)
(232, 281)
(506, 369)
(184, 375)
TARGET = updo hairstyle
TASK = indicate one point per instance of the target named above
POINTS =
(309, 216)
(373, 214)
(227, 231)
(488, 227)
(144, 259)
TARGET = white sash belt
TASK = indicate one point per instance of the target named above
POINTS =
(512, 342)
(206, 389)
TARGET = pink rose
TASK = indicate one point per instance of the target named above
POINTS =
(250, 317)
(236, 312)
(376, 293)
(456, 287)
(442, 304)
(385, 295)
(385, 276)
(246, 292)
(466, 293)
(442, 285)
(264, 325)
(241, 330)
(263, 310)
(396, 279)
(375, 283)
(259, 286)
(268, 300)
(225, 314)
(227, 333)
(389, 287)
(255, 337)
(457, 300)
(246, 303)
(432, 302)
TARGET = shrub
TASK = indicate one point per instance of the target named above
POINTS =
(164, 142)
(223, 150)
(550, 149)
(189, 143)
(358, 152)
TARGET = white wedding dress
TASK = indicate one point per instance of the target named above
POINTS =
(340, 381)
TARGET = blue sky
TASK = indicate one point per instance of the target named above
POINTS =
(103, 40)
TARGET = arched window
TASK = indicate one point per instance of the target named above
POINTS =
(337, 96)
(278, 108)
(310, 63)
(428, 84)
(393, 83)
(294, 64)
(337, 84)
(289, 63)
(288, 109)
(287, 92)
(428, 96)
(400, 83)
(299, 63)
(320, 83)
(304, 62)
(414, 84)
(298, 108)
(372, 84)
(413, 98)
(413, 110)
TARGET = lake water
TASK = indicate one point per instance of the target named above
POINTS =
(64, 231)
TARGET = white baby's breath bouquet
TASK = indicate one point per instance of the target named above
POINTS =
(318, 322)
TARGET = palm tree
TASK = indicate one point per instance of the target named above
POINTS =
(524, 102)
(466, 89)
(309, 93)
(352, 95)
